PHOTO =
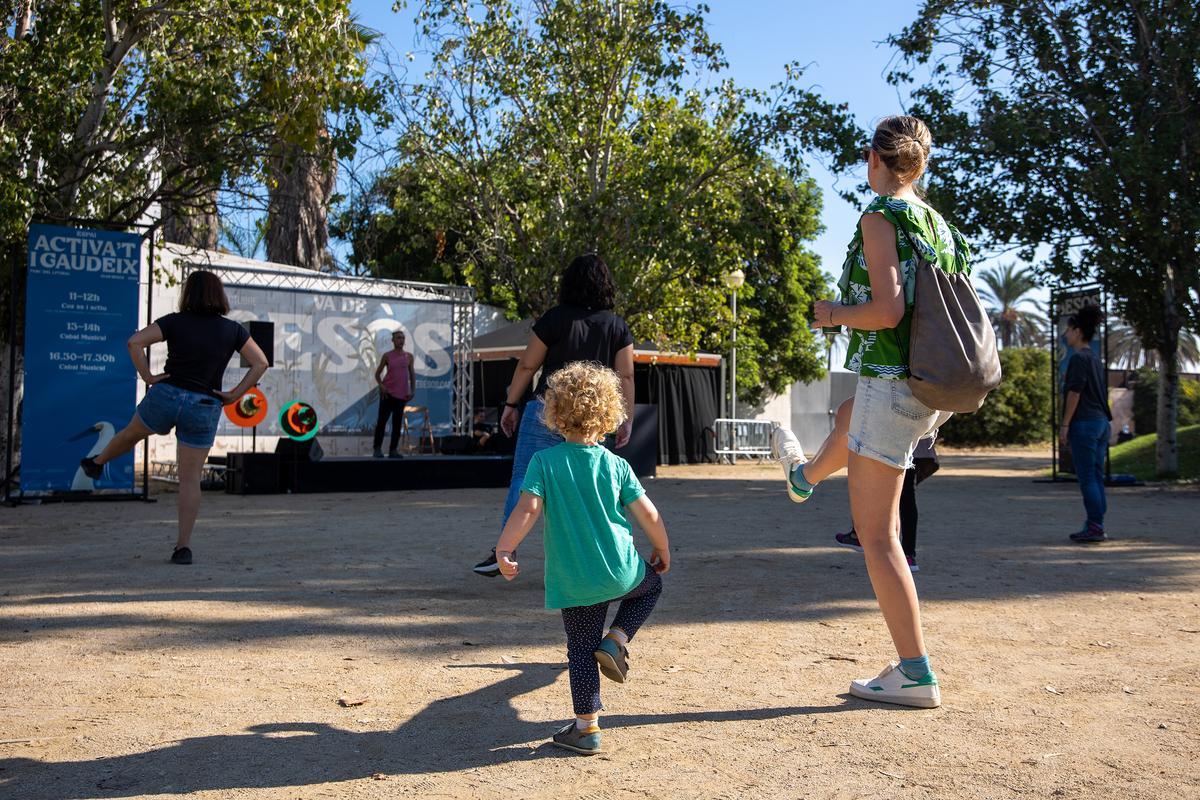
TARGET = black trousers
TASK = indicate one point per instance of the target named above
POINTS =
(908, 513)
(389, 407)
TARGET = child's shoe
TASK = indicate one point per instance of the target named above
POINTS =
(893, 686)
(785, 448)
(586, 741)
(613, 658)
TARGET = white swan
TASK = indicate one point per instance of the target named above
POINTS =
(105, 432)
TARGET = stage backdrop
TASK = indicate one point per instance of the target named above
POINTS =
(327, 346)
(81, 307)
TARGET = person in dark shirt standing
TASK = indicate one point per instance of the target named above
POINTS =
(187, 395)
(582, 327)
(1086, 417)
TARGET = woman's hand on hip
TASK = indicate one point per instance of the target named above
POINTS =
(509, 420)
(624, 432)
(153, 379)
(228, 397)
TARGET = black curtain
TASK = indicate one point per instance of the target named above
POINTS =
(687, 400)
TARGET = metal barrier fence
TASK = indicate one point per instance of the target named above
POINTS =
(737, 438)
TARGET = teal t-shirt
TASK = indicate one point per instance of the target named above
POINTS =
(590, 557)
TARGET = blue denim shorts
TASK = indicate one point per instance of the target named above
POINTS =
(193, 415)
(887, 421)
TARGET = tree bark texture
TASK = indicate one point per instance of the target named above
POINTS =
(1166, 456)
(298, 208)
(193, 225)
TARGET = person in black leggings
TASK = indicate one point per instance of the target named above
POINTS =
(925, 463)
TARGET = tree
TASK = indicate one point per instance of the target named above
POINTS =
(1125, 349)
(1071, 124)
(546, 129)
(1005, 290)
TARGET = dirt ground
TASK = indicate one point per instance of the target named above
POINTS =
(1067, 672)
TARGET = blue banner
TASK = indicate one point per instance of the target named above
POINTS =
(81, 305)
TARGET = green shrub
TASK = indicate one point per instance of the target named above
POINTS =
(1145, 402)
(1017, 412)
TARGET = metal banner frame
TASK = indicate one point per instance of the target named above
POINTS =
(462, 299)
(16, 299)
(1062, 305)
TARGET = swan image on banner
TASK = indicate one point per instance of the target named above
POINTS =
(104, 432)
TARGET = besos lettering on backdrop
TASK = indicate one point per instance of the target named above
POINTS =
(327, 346)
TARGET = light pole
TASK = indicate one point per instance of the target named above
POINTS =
(734, 281)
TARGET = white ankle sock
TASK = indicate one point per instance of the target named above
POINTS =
(619, 635)
(582, 724)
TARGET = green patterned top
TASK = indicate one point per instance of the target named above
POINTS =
(884, 353)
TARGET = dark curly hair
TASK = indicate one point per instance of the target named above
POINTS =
(1086, 319)
(587, 283)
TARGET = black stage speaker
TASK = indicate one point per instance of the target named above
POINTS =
(252, 473)
(263, 334)
(290, 450)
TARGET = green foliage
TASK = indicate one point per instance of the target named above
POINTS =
(108, 108)
(1136, 457)
(1017, 412)
(545, 130)
(1145, 401)
(1071, 125)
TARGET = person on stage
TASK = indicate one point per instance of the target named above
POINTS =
(396, 378)
(582, 327)
(886, 421)
(187, 395)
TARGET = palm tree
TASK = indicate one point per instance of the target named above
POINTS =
(1005, 290)
(1126, 351)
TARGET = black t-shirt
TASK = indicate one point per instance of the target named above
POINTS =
(571, 333)
(1085, 374)
(199, 347)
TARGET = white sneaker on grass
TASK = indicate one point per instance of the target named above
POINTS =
(893, 686)
(785, 448)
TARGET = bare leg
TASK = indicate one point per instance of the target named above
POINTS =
(874, 504)
(191, 462)
(124, 441)
(831, 456)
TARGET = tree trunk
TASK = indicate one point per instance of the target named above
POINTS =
(298, 208)
(193, 225)
(1166, 456)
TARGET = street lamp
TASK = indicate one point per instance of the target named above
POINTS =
(734, 281)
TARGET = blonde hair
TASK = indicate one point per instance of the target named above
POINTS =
(903, 143)
(584, 398)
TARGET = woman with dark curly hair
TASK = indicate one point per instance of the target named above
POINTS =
(582, 327)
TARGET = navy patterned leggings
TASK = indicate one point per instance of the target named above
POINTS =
(585, 629)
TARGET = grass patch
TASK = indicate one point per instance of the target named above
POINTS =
(1136, 457)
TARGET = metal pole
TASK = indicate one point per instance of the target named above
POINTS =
(12, 372)
(1053, 385)
(733, 364)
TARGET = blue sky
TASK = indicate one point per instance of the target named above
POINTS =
(842, 41)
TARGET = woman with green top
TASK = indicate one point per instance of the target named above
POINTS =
(883, 422)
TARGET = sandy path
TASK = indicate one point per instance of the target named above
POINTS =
(135, 678)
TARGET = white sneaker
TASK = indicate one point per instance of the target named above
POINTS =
(785, 448)
(893, 686)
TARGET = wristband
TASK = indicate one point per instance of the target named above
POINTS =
(512, 405)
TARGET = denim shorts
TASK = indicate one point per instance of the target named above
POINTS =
(193, 415)
(887, 421)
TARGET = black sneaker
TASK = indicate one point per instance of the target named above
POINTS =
(91, 468)
(488, 568)
(377, 454)
(848, 539)
(1090, 536)
(182, 555)
(395, 454)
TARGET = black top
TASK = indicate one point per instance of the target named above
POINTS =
(1085, 374)
(199, 347)
(571, 333)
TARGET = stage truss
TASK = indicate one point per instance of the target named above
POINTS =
(462, 316)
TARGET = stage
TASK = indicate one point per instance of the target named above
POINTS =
(272, 473)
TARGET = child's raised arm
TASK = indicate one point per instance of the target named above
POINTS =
(647, 517)
(520, 522)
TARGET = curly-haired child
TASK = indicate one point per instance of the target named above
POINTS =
(590, 557)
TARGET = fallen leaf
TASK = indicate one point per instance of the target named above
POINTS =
(347, 702)
(379, 776)
(892, 775)
(1127, 689)
(1190, 630)
(842, 658)
(1052, 690)
(469, 644)
(509, 659)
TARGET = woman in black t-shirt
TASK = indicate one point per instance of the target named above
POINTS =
(187, 395)
(582, 327)
(1086, 416)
